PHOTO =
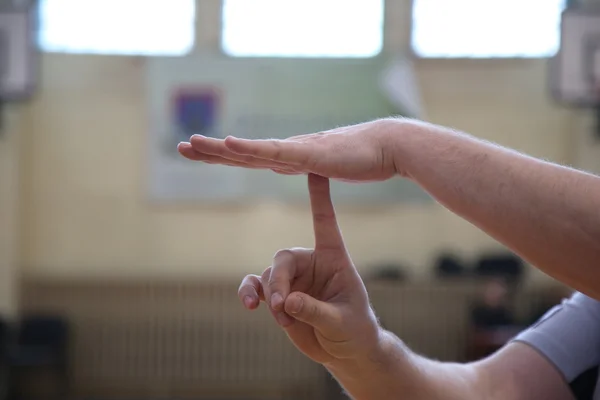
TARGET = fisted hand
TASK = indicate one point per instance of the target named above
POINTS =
(316, 295)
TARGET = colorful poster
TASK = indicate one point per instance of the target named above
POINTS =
(257, 98)
(195, 111)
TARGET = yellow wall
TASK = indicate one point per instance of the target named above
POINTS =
(83, 210)
(9, 207)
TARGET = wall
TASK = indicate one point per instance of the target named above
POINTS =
(587, 145)
(83, 209)
(10, 156)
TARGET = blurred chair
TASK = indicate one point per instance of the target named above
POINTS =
(332, 389)
(449, 266)
(5, 343)
(550, 297)
(41, 351)
(389, 272)
(505, 265)
(484, 342)
(492, 322)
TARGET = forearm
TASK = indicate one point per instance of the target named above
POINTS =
(546, 213)
(393, 372)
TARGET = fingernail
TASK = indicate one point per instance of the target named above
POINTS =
(295, 304)
(248, 301)
(276, 301)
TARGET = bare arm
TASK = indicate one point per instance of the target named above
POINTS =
(516, 372)
(546, 213)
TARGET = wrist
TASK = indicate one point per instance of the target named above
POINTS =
(401, 140)
(384, 353)
(381, 374)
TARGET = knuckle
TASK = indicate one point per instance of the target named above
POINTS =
(323, 217)
(291, 253)
(250, 280)
(300, 250)
(246, 281)
(276, 281)
(241, 290)
(264, 278)
(277, 151)
(246, 287)
(266, 273)
(284, 254)
(219, 150)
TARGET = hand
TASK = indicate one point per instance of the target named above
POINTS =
(354, 153)
(317, 295)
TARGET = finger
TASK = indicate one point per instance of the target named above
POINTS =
(283, 272)
(186, 150)
(208, 145)
(250, 292)
(327, 231)
(281, 317)
(264, 281)
(210, 159)
(324, 317)
(285, 151)
(285, 172)
(287, 265)
(193, 155)
(216, 147)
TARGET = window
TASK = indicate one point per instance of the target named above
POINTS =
(303, 28)
(127, 27)
(486, 29)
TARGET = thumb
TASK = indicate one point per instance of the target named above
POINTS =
(322, 316)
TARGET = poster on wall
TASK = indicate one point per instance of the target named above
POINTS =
(193, 110)
(255, 98)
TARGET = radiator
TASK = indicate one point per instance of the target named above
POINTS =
(169, 339)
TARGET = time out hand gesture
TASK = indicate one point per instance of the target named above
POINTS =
(316, 295)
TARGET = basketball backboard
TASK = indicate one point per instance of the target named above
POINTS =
(18, 49)
(575, 70)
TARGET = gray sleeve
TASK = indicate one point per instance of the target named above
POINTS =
(568, 335)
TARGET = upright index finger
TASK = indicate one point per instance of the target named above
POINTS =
(285, 151)
(327, 231)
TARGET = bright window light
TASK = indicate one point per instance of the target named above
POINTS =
(127, 27)
(303, 28)
(486, 29)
